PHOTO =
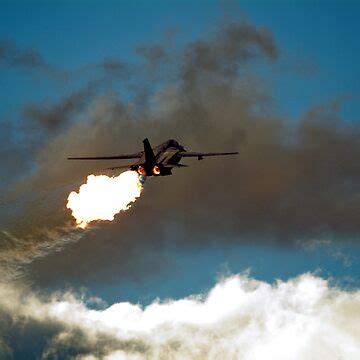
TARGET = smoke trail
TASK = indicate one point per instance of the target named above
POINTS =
(102, 197)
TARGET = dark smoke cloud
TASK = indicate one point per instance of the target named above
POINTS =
(54, 116)
(290, 181)
(114, 67)
(231, 48)
(28, 59)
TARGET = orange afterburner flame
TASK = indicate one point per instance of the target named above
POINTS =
(102, 197)
(156, 170)
(141, 170)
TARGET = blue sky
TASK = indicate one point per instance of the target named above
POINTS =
(320, 34)
(320, 62)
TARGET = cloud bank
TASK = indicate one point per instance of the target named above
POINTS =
(239, 318)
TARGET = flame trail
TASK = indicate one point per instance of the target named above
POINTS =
(102, 197)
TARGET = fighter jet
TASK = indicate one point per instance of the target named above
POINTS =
(157, 161)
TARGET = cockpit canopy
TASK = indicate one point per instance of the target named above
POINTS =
(170, 143)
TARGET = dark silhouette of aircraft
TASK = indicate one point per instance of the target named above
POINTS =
(157, 161)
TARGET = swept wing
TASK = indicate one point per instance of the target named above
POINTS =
(201, 155)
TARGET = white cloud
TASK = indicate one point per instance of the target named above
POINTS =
(240, 318)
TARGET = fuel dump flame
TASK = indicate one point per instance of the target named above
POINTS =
(102, 197)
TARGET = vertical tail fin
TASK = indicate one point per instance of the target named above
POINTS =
(149, 154)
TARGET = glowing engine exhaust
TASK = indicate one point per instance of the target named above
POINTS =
(141, 170)
(156, 170)
(102, 197)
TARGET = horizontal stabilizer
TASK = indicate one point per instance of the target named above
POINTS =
(128, 166)
(125, 156)
(175, 165)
